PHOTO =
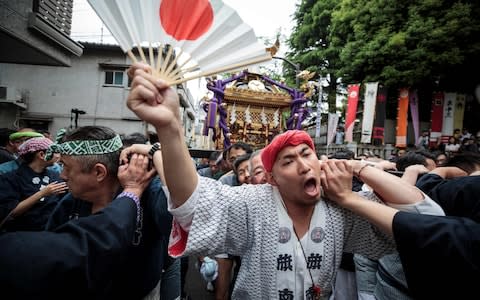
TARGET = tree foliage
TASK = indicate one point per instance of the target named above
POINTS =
(310, 42)
(423, 44)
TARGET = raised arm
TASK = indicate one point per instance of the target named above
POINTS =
(153, 101)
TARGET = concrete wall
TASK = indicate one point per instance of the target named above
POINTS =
(25, 42)
(54, 91)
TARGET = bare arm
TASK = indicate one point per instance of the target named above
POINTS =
(51, 189)
(449, 172)
(389, 187)
(224, 279)
(378, 214)
(411, 173)
(336, 179)
(153, 101)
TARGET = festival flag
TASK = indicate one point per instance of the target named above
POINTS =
(413, 98)
(352, 103)
(318, 121)
(459, 112)
(436, 119)
(448, 115)
(332, 127)
(401, 138)
(369, 111)
(380, 114)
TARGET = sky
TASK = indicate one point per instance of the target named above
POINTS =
(266, 17)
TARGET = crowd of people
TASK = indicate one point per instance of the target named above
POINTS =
(97, 215)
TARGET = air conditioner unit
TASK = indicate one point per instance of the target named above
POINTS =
(9, 94)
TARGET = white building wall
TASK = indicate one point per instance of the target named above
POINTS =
(54, 91)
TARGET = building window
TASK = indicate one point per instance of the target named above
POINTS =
(114, 78)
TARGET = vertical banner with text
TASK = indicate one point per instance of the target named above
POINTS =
(351, 114)
(332, 127)
(318, 121)
(402, 115)
(436, 119)
(413, 97)
(459, 112)
(380, 115)
(369, 111)
(449, 104)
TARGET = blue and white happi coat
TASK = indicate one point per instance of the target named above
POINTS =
(246, 221)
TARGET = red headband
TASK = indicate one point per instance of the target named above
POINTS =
(288, 138)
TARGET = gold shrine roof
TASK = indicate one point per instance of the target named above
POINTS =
(253, 90)
(249, 97)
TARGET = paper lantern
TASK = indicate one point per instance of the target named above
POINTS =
(200, 37)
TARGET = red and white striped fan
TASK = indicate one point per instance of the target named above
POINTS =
(200, 37)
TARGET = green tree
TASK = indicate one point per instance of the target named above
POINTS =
(310, 43)
(423, 44)
(407, 43)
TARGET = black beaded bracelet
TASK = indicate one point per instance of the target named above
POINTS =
(155, 148)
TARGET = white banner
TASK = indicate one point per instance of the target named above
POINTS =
(332, 127)
(319, 109)
(449, 105)
(369, 111)
(459, 112)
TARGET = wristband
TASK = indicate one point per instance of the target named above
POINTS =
(361, 169)
(135, 199)
(155, 148)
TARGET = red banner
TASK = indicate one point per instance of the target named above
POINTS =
(401, 138)
(350, 117)
(436, 120)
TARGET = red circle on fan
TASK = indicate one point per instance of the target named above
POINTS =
(186, 19)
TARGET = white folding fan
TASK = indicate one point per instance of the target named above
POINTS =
(200, 37)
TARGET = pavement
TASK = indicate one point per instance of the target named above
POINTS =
(195, 285)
